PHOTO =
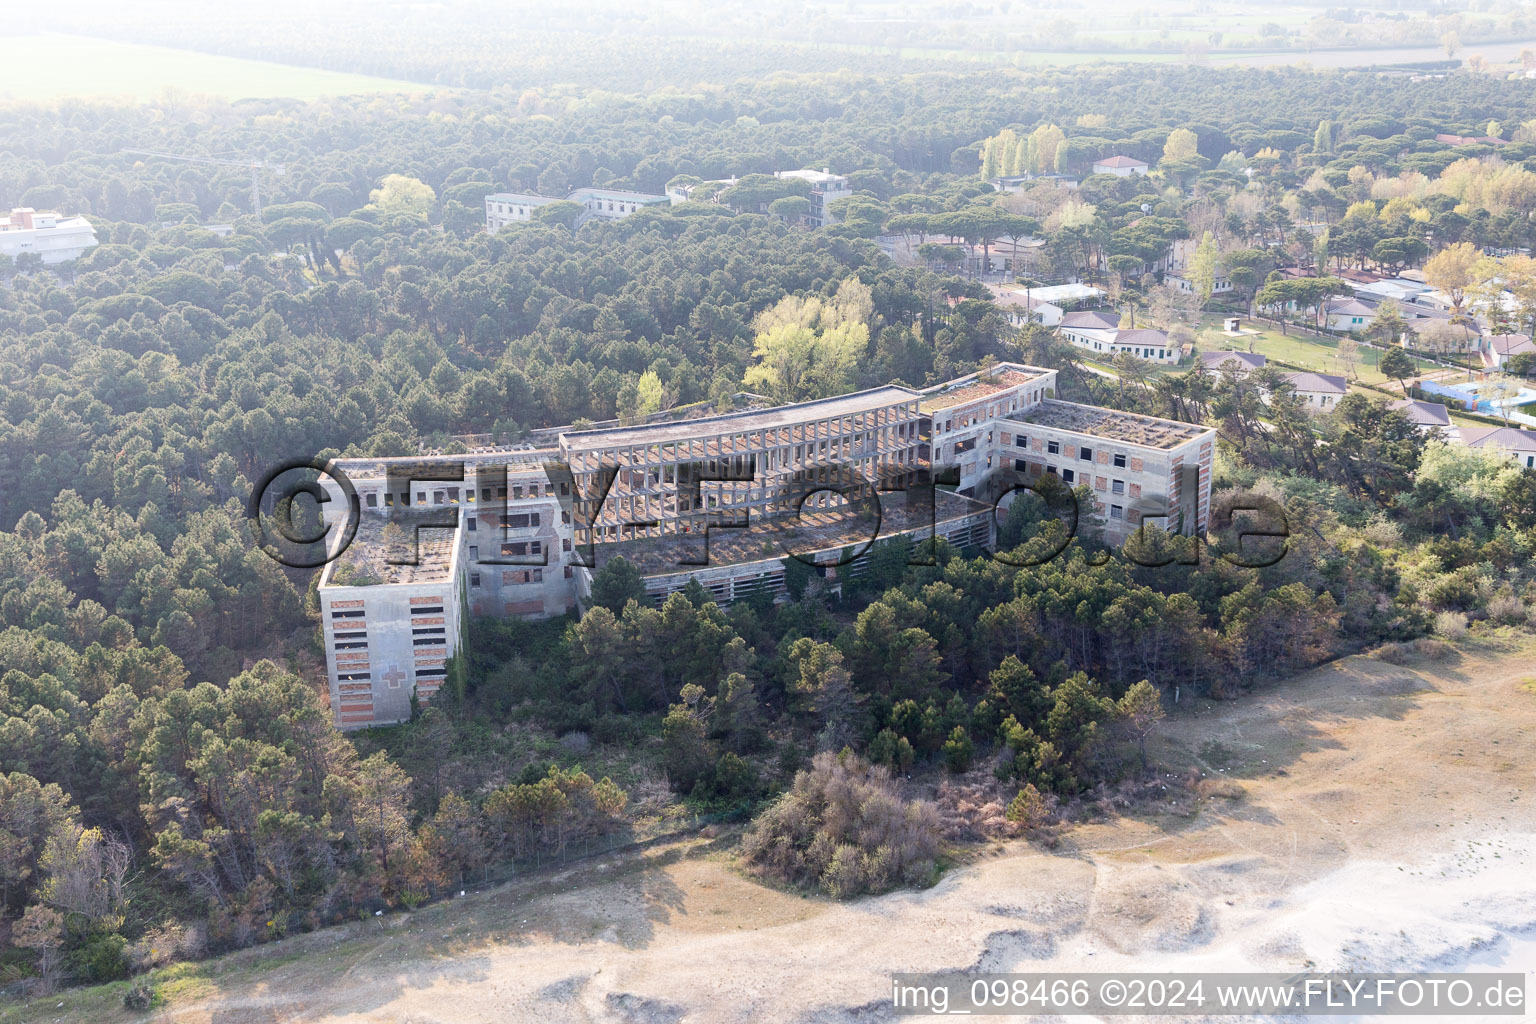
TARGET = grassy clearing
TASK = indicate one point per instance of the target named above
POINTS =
(1314, 353)
(99, 67)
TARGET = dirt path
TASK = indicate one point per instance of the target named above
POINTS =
(1377, 815)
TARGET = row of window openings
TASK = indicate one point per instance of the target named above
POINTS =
(1145, 353)
(525, 576)
(1083, 454)
(1051, 448)
(363, 677)
(1069, 476)
(521, 521)
(451, 494)
(531, 547)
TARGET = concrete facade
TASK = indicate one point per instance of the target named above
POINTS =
(723, 499)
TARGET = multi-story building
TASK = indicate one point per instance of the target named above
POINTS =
(45, 234)
(1138, 468)
(826, 188)
(503, 208)
(725, 500)
(389, 627)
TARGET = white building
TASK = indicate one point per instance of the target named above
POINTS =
(45, 233)
(1100, 332)
(1120, 166)
(613, 203)
(826, 188)
(1022, 308)
(1239, 362)
(503, 208)
(1495, 349)
(1320, 392)
(1430, 417)
(1349, 314)
(1519, 446)
(1176, 269)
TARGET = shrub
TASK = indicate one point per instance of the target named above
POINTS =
(101, 958)
(1506, 609)
(892, 751)
(577, 743)
(1426, 648)
(1451, 625)
(1221, 788)
(1432, 650)
(958, 751)
(139, 997)
(1028, 809)
(844, 828)
(734, 778)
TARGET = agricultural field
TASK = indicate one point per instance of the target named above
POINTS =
(50, 67)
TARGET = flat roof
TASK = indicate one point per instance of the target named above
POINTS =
(521, 197)
(519, 459)
(617, 193)
(366, 560)
(736, 422)
(1111, 424)
(1065, 292)
(982, 385)
(810, 174)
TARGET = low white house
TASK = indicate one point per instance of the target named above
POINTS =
(1495, 349)
(1176, 269)
(1100, 333)
(45, 234)
(1021, 307)
(1090, 328)
(1220, 283)
(1120, 166)
(1430, 417)
(503, 208)
(1320, 391)
(1516, 444)
(1349, 314)
(1241, 362)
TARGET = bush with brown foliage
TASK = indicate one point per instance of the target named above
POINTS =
(845, 829)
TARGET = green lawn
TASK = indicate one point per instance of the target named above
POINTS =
(48, 67)
(1319, 354)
